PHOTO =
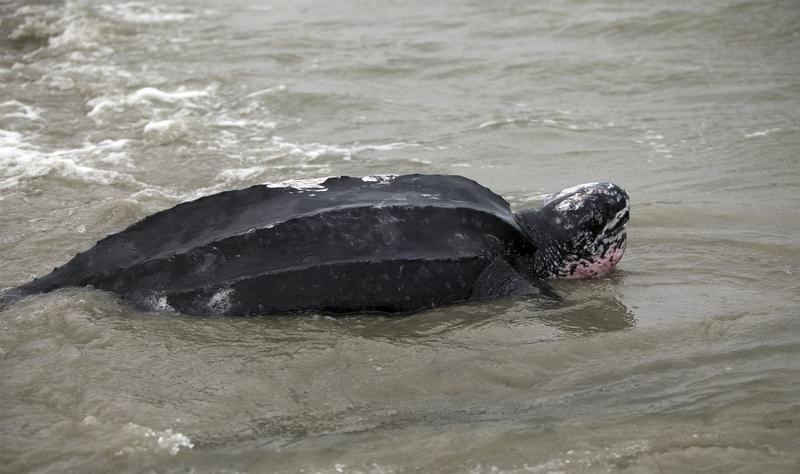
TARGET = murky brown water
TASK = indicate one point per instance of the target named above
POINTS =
(687, 358)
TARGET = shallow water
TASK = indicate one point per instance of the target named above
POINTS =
(687, 358)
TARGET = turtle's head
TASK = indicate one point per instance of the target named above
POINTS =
(580, 230)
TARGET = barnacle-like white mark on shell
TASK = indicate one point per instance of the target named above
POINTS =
(220, 302)
(378, 178)
(308, 184)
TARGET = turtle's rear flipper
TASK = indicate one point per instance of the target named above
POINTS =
(500, 279)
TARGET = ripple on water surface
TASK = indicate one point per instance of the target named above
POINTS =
(684, 359)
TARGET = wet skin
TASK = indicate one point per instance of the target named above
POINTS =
(392, 244)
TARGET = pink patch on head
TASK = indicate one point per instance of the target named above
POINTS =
(599, 267)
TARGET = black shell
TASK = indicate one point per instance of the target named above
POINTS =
(392, 244)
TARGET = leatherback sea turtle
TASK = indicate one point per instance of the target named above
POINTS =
(389, 244)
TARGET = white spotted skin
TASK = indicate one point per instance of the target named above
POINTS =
(613, 222)
(221, 301)
(158, 302)
(592, 239)
(572, 190)
(574, 196)
(602, 266)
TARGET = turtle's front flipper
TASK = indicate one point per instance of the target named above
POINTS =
(501, 279)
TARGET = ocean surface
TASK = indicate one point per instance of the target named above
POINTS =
(684, 359)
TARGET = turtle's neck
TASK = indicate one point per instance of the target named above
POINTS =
(550, 250)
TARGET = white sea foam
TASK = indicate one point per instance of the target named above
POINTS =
(240, 123)
(19, 110)
(269, 90)
(22, 162)
(154, 94)
(527, 119)
(68, 26)
(144, 96)
(387, 146)
(761, 133)
(142, 438)
(656, 141)
(37, 22)
(144, 13)
(98, 105)
(259, 126)
(159, 125)
(582, 460)
(312, 151)
(232, 175)
(69, 75)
